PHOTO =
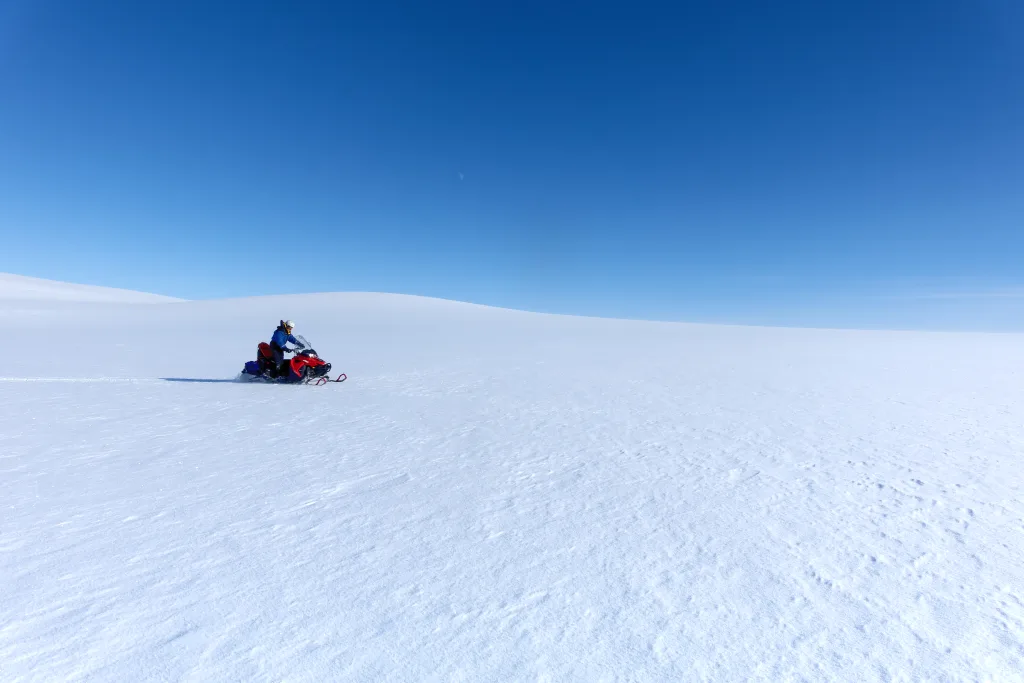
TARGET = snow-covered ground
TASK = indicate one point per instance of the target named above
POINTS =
(502, 496)
(22, 288)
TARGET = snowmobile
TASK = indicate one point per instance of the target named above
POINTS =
(302, 368)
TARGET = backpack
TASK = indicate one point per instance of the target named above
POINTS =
(264, 354)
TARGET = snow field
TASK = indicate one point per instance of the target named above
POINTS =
(504, 496)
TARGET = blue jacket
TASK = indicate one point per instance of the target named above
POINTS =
(281, 338)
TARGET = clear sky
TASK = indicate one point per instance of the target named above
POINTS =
(854, 163)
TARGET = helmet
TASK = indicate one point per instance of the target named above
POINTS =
(288, 325)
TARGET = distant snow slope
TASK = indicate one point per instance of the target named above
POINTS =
(19, 287)
(498, 496)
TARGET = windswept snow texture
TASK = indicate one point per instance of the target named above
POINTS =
(501, 496)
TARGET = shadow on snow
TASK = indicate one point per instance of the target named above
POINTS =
(195, 379)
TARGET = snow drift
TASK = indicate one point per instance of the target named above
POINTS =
(496, 495)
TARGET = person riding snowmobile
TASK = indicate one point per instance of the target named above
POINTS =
(282, 335)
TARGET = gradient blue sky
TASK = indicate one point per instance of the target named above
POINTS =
(807, 162)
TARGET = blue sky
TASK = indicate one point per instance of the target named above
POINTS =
(786, 163)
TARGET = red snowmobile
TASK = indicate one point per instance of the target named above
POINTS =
(302, 368)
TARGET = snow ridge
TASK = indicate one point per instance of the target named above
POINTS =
(22, 288)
